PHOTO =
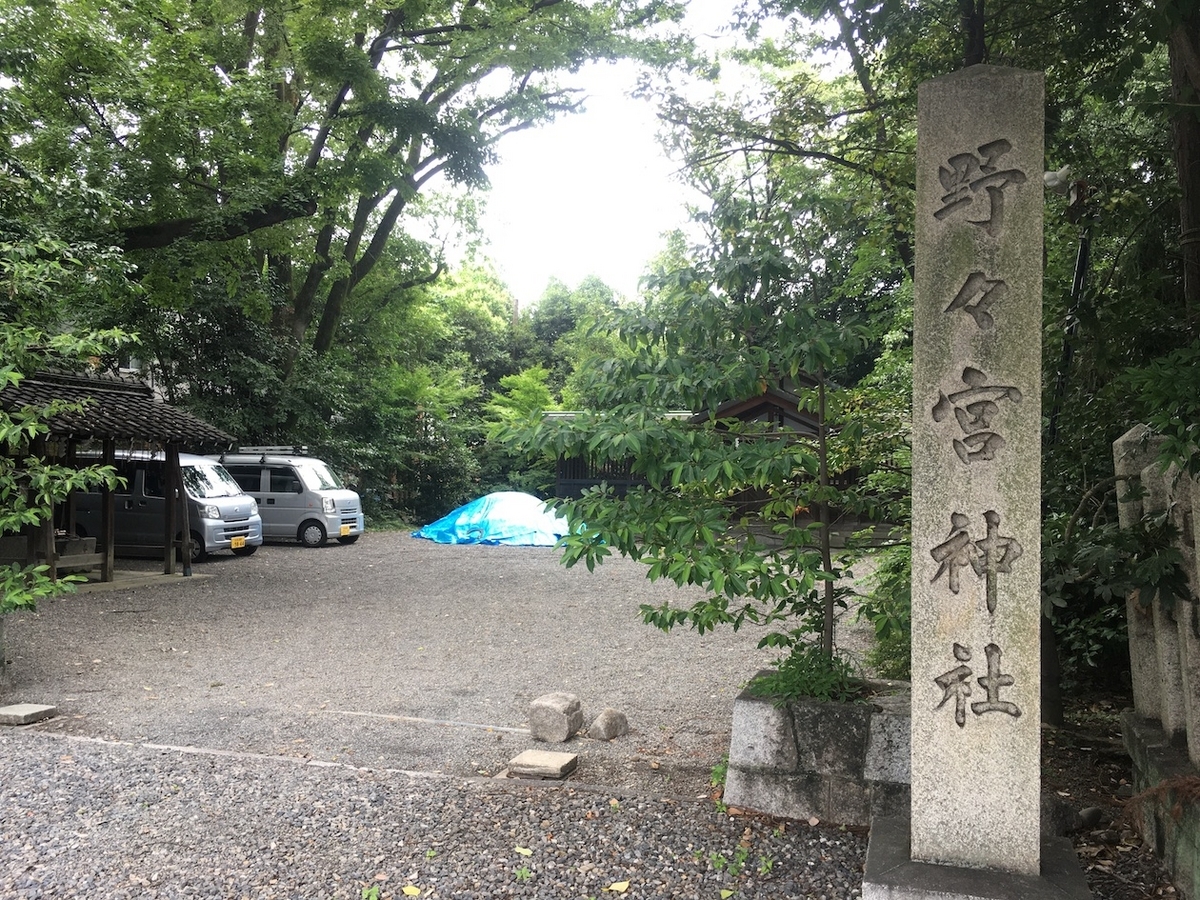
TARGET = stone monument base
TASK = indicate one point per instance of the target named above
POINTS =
(892, 875)
(1170, 817)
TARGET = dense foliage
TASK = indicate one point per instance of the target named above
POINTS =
(266, 167)
(805, 266)
(256, 193)
(43, 263)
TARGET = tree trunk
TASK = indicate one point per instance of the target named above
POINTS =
(1185, 92)
(823, 517)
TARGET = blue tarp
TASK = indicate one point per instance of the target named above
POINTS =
(505, 517)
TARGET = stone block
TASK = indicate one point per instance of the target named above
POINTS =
(890, 799)
(611, 723)
(26, 713)
(555, 718)
(789, 796)
(813, 758)
(845, 801)
(889, 747)
(543, 764)
(891, 874)
(831, 737)
(762, 737)
(976, 470)
(1132, 452)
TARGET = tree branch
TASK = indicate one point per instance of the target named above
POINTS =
(159, 234)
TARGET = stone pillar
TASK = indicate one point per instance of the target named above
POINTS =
(1133, 452)
(1189, 628)
(1159, 500)
(976, 533)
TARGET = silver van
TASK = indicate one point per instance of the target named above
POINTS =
(299, 497)
(219, 513)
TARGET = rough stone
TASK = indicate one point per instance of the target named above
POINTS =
(891, 874)
(543, 764)
(1059, 818)
(889, 748)
(762, 736)
(834, 761)
(1171, 820)
(611, 723)
(26, 713)
(555, 718)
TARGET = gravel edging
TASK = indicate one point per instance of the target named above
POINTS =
(82, 818)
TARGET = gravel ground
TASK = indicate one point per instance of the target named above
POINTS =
(82, 819)
(315, 723)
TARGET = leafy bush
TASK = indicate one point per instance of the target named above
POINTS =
(1168, 391)
(1087, 572)
(29, 485)
(807, 672)
(887, 605)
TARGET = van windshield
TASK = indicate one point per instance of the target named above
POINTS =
(317, 476)
(204, 482)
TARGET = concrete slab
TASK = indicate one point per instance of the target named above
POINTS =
(892, 875)
(26, 713)
(543, 764)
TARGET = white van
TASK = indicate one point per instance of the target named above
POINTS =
(299, 497)
(220, 515)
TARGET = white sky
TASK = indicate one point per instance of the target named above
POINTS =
(590, 194)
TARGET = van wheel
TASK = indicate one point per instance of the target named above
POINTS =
(348, 539)
(247, 550)
(311, 533)
(199, 554)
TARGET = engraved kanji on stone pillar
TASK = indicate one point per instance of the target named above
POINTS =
(977, 471)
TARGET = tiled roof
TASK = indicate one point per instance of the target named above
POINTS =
(117, 408)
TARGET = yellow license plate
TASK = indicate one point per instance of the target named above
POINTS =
(345, 530)
(237, 543)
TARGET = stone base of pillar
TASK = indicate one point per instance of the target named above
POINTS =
(892, 875)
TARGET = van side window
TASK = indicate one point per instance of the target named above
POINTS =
(284, 480)
(152, 484)
(124, 470)
(247, 477)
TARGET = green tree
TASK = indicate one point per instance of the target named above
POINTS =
(271, 151)
(45, 268)
(30, 486)
(561, 323)
(264, 162)
(521, 398)
(772, 300)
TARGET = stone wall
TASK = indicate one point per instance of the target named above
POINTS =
(1164, 640)
(839, 762)
(1162, 731)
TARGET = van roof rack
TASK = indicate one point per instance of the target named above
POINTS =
(281, 449)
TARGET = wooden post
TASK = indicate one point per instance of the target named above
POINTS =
(108, 506)
(171, 485)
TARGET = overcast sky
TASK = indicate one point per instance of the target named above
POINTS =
(588, 195)
(591, 194)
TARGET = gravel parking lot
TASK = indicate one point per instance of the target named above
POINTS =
(395, 653)
(316, 723)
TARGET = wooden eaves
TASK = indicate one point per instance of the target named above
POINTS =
(115, 411)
